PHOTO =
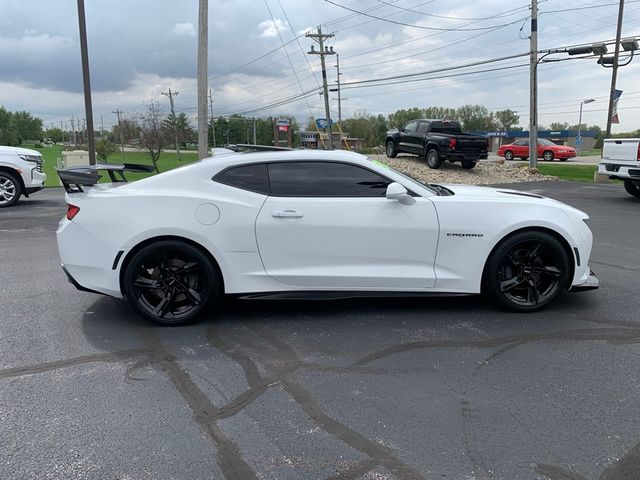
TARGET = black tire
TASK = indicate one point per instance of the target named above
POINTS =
(391, 150)
(547, 156)
(526, 272)
(10, 189)
(508, 155)
(170, 282)
(524, 158)
(563, 159)
(632, 188)
(433, 159)
(468, 165)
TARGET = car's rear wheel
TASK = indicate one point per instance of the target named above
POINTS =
(10, 189)
(547, 156)
(433, 159)
(468, 165)
(527, 271)
(391, 150)
(632, 188)
(170, 282)
(508, 155)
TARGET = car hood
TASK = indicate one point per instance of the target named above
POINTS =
(19, 151)
(476, 193)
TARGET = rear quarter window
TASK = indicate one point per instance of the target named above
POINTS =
(254, 178)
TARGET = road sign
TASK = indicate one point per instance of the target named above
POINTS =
(321, 123)
(578, 140)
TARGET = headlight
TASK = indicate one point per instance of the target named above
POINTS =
(31, 158)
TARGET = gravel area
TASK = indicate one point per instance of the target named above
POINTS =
(452, 173)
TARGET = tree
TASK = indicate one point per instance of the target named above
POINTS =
(152, 133)
(506, 119)
(54, 134)
(476, 118)
(181, 125)
(26, 126)
(104, 148)
(558, 126)
(400, 118)
(7, 130)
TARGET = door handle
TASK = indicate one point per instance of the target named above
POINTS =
(287, 214)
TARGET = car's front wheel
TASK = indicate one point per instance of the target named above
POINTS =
(632, 188)
(547, 156)
(508, 155)
(391, 150)
(468, 165)
(527, 271)
(10, 189)
(170, 282)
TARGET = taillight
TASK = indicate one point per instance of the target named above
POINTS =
(638, 155)
(72, 211)
(452, 143)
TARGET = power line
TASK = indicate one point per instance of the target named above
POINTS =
(422, 27)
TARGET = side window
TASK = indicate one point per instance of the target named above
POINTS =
(254, 178)
(423, 127)
(411, 127)
(325, 179)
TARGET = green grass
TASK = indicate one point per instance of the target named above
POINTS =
(588, 153)
(167, 161)
(574, 173)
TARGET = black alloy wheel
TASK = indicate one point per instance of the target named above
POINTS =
(632, 187)
(170, 282)
(508, 155)
(10, 189)
(391, 149)
(527, 271)
(547, 156)
(433, 159)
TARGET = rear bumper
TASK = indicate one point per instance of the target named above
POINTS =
(29, 190)
(620, 172)
(590, 283)
(87, 261)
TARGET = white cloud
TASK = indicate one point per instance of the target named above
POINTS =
(187, 29)
(269, 29)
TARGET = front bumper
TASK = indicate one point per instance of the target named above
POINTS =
(591, 283)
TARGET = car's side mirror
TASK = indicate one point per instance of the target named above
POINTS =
(395, 191)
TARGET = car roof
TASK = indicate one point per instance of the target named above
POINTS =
(288, 155)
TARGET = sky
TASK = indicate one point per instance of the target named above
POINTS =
(141, 48)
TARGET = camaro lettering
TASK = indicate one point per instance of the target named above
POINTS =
(465, 235)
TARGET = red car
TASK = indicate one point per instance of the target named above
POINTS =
(547, 150)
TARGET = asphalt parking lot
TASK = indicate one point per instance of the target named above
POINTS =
(363, 388)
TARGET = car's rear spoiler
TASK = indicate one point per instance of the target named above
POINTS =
(74, 178)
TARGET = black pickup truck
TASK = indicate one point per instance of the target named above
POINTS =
(437, 141)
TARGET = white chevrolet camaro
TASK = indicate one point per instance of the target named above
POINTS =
(304, 222)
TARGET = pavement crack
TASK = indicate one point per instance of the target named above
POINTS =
(611, 335)
(72, 362)
(229, 458)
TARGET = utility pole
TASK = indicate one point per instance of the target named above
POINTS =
(84, 54)
(254, 131)
(319, 37)
(62, 128)
(118, 112)
(175, 119)
(101, 125)
(533, 104)
(203, 35)
(339, 96)
(73, 129)
(614, 70)
(213, 120)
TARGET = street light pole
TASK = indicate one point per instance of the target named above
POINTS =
(84, 54)
(533, 86)
(579, 139)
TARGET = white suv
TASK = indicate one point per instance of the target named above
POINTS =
(621, 160)
(21, 173)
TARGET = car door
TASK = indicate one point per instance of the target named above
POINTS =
(407, 141)
(328, 225)
(521, 148)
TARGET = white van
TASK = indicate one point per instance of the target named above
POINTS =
(21, 173)
(621, 160)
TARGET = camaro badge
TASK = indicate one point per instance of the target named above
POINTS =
(465, 235)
